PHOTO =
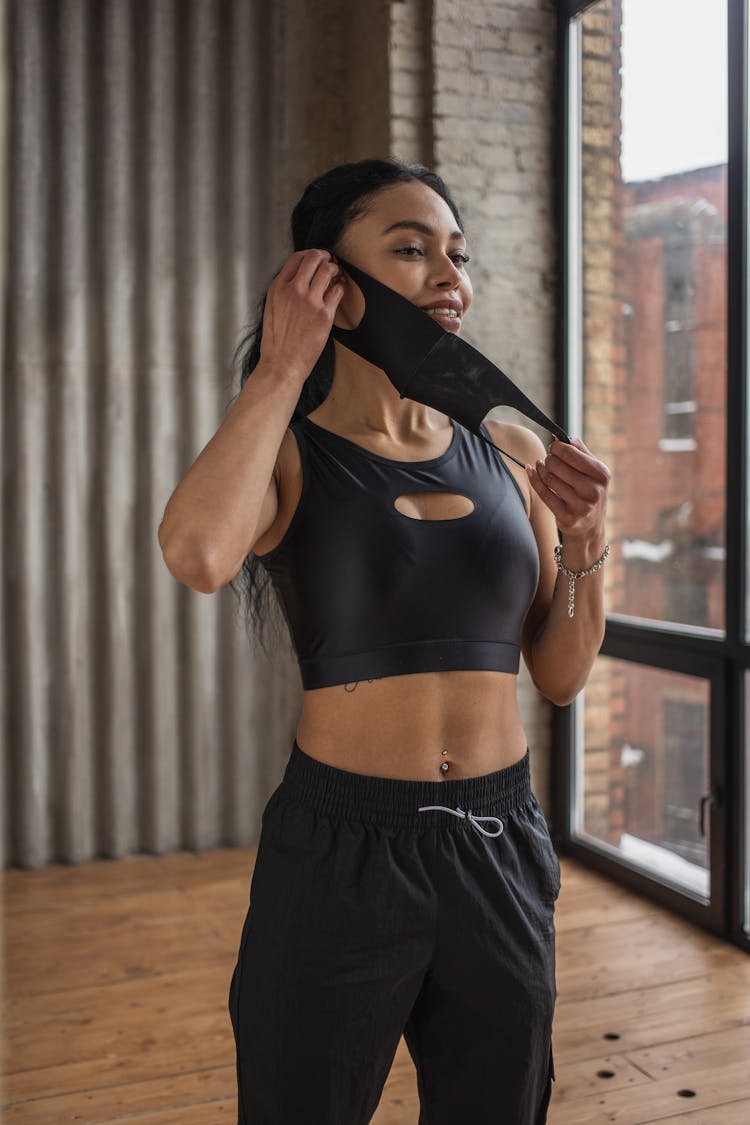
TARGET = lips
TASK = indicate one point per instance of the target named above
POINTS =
(444, 303)
(451, 323)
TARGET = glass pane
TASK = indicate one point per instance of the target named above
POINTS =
(653, 159)
(644, 769)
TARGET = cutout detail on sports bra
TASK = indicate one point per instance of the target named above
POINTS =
(432, 505)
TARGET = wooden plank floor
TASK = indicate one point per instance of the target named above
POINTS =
(116, 977)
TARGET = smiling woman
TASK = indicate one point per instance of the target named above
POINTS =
(449, 310)
(413, 560)
(403, 264)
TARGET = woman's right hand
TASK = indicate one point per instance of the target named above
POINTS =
(301, 303)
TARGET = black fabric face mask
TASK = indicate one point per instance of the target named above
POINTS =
(429, 364)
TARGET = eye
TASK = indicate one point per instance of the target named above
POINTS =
(463, 258)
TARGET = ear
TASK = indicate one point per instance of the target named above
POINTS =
(351, 307)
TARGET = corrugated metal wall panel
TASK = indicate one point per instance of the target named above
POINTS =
(155, 149)
(27, 444)
(5, 655)
(137, 717)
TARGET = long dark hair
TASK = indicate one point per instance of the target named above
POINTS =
(327, 205)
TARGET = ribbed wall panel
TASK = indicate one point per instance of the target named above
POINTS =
(4, 166)
(27, 554)
(154, 149)
(136, 717)
(69, 382)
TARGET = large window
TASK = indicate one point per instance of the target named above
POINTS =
(654, 320)
(646, 738)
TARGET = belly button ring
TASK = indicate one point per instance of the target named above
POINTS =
(444, 766)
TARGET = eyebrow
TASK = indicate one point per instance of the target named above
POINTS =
(415, 224)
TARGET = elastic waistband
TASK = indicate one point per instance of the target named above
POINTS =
(391, 801)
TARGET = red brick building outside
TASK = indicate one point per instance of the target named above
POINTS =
(654, 363)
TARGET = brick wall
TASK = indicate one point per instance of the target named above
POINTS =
(605, 366)
(466, 88)
(472, 95)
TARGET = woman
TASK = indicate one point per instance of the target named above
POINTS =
(405, 880)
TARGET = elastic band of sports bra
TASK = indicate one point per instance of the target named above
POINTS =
(458, 811)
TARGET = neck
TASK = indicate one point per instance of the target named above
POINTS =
(362, 399)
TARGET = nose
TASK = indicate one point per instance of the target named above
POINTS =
(448, 275)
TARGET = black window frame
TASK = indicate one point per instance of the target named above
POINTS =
(722, 659)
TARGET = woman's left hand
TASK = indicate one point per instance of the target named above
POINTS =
(573, 484)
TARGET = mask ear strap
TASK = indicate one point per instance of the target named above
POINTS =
(505, 451)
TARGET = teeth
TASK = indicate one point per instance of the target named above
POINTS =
(443, 312)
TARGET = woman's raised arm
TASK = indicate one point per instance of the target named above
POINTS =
(227, 499)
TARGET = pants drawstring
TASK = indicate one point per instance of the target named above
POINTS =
(458, 811)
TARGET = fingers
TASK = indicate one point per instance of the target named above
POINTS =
(553, 482)
(301, 265)
(334, 293)
(290, 267)
(542, 483)
(326, 275)
(569, 481)
(578, 457)
(572, 483)
(310, 264)
(552, 499)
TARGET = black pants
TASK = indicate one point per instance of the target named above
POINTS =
(370, 918)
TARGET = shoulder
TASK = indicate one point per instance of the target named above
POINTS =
(520, 443)
(518, 440)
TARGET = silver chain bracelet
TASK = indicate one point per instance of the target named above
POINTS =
(573, 575)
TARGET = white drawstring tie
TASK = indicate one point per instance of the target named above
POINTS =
(458, 811)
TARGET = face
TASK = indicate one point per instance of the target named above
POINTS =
(422, 256)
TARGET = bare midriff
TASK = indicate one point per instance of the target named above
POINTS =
(425, 726)
(421, 726)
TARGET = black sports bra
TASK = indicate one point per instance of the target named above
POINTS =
(368, 591)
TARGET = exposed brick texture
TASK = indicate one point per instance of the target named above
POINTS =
(466, 88)
(487, 82)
